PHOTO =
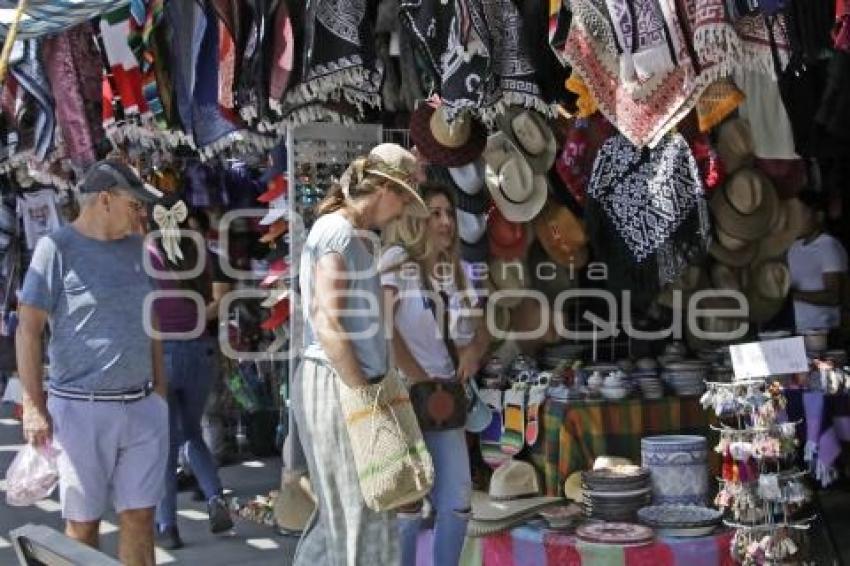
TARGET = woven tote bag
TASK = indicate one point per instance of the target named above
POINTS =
(392, 461)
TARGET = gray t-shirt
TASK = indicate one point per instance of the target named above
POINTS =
(332, 233)
(93, 292)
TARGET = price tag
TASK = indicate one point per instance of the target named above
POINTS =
(771, 357)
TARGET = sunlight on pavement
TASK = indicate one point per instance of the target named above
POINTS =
(163, 557)
(262, 543)
(10, 422)
(4, 543)
(254, 464)
(106, 528)
(11, 447)
(193, 515)
(48, 506)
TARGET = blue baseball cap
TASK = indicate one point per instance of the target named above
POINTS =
(111, 174)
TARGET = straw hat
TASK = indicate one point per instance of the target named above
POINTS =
(732, 251)
(441, 143)
(516, 190)
(530, 133)
(769, 285)
(788, 225)
(514, 494)
(561, 233)
(735, 144)
(726, 277)
(745, 206)
(395, 163)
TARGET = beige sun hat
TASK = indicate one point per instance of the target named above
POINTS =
(769, 285)
(787, 227)
(735, 144)
(725, 277)
(745, 206)
(531, 134)
(395, 163)
(730, 250)
(513, 496)
(518, 193)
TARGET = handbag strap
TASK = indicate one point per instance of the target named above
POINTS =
(444, 327)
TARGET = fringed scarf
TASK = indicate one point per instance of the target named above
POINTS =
(646, 214)
(340, 61)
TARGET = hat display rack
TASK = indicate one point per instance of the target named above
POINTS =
(763, 495)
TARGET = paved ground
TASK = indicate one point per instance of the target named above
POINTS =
(252, 544)
(249, 543)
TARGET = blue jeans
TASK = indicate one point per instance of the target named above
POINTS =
(451, 498)
(191, 368)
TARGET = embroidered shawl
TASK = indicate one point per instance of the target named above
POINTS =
(340, 60)
(646, 213)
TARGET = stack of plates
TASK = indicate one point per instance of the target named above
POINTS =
(621, 534)
(616, 494)
(680, 520)
(687, 377)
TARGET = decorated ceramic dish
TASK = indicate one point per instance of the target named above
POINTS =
(615, 533)
(679, 516)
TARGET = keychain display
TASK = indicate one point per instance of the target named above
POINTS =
(762, 493)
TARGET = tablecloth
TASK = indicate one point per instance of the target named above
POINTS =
(528, 546)
(575, 433)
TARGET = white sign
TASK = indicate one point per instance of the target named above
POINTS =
(771, 357)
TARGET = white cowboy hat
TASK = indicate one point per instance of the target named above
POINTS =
(470, 177)
(531, 134)
(519, 194)
(745, 206)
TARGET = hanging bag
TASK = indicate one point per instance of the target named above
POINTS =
(392, 460)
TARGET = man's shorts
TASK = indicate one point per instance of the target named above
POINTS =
(111, 451)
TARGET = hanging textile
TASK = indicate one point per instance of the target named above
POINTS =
(50, 17)
(646, 214)
(31, 76)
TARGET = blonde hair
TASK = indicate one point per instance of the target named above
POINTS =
(411, 234)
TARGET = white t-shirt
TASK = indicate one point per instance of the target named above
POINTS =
(38, 211)
(415, 317)
(807, 264)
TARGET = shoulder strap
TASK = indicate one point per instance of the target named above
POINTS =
(444, 327)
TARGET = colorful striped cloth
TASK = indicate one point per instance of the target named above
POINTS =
(528, 546)
(574, 434)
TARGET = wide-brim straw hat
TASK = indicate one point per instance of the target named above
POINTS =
(508, 240)
(767, 290)
(530, 133)
(732, 251)
(745, 206)
(515, 189)
(448, 144)
(735, 144)
(394, 163)
(789, 225)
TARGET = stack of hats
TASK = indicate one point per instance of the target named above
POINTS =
(454, 154)
(513, 498)
(754, 227)
(616, 493)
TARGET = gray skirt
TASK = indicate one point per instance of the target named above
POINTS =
(342, 531)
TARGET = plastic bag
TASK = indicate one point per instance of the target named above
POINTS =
(32, 475)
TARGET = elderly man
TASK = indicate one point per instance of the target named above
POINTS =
(106, 408)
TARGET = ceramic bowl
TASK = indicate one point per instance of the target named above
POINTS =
(614, 393)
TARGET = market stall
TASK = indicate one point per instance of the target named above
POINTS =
(636, 186)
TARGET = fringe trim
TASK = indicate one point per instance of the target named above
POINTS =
(719, 46)
(242, 140)
(335, 77)
(491, 113)
(313, 113)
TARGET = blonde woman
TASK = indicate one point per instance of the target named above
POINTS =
(434, 337)
(345, 341)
